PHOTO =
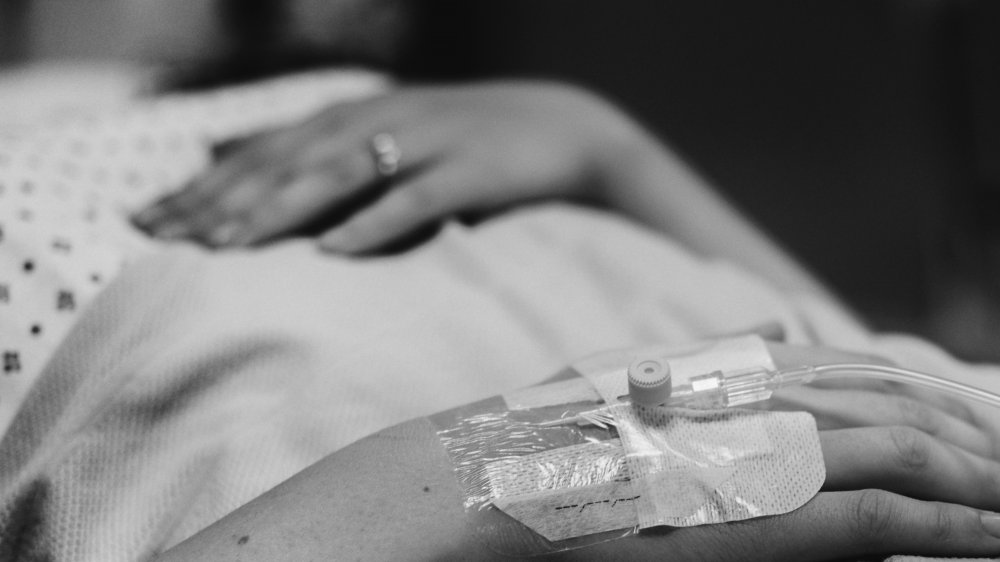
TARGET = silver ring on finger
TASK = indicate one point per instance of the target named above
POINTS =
(385, 151)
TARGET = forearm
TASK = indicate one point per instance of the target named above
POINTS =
(394, 495)
(652, 184)
(390, 496)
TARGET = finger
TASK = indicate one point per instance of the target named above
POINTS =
(909, 462)
(831, 526)
(940, 400)
(836, 525)
(788, 356)
(310, 195)
(215, 221)
(252, 168)
(435, 194)
(348, 178)
(211, 207)
(791, 356)
(841, 409)
(258, 166)
(321, 173)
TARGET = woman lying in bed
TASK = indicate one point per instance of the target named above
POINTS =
(199, 380)
(459, 150)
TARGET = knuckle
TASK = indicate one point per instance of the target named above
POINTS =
(911, 448)
(351, 171)
(873, 514)
(962, 411)
(943, 527)
(917, 414)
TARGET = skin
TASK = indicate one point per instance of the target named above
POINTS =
(891, 488)
(466, 150)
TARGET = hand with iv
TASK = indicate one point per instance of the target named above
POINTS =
(907, 473)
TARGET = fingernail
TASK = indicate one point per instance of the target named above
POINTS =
(991, 522)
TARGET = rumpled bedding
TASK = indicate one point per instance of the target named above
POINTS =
(70, 179)
(198, 381)
(195, 381)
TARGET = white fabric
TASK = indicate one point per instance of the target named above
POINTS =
(41, 92)
(198, 381)
(69, 181)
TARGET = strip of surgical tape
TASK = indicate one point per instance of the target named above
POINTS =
(567, 391)
(567, 492)
(678, 468)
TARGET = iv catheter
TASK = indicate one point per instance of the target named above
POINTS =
(718, 390)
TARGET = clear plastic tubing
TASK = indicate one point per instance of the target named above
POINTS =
(718, 390)
(802, 375)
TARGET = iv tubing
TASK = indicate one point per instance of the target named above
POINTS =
(718, 390)
(803, 375)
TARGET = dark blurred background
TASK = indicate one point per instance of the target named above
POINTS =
(861, 133)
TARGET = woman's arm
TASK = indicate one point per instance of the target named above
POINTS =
(649, 182)
(889, 489)
(464, 148)
(389, 496)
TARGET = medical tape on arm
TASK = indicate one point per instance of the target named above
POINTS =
(691, 468)
(575, 485)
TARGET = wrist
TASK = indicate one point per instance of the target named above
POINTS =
(614, 145)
